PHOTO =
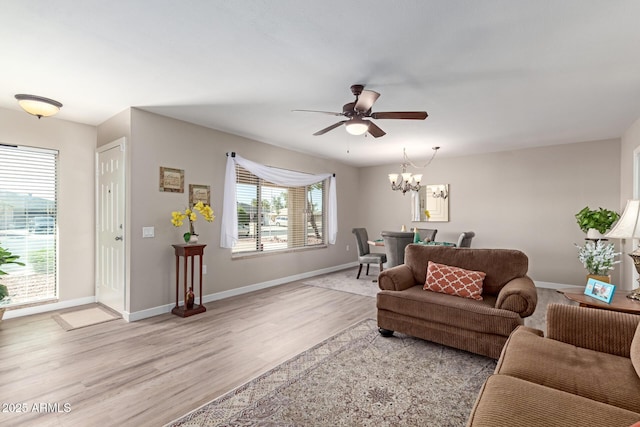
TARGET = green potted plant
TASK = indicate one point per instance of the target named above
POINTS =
(6, 257)
(596, 222)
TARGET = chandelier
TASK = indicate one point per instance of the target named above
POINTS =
(406, 181)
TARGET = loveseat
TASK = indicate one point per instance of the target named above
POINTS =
(479, 326)
(583, 373)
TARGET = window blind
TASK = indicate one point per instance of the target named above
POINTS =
(28, 221)
(273, 217)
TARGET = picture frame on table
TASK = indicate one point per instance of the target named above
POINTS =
(171, 180)
(600, 290)
(199, 193)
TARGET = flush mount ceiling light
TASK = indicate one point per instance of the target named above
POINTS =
(38, 106)
(357, 126)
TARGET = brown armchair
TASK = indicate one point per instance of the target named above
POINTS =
(478, 326)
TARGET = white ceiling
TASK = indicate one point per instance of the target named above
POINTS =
(492, 74)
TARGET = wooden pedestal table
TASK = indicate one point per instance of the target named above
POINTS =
(188, 251)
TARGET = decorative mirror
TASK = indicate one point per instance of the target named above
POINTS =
(433, 198)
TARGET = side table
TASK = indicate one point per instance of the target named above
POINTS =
(188, 251)
(618, 303)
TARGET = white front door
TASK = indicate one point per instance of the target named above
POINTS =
(110, 227)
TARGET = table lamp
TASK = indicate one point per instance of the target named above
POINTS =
(628, 227)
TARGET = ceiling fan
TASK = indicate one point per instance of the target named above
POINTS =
(357, 112)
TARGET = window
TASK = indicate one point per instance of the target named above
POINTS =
(274, 218)
(28, 221)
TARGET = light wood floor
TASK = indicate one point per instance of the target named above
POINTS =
(148, 373)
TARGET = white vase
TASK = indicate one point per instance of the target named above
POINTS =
(592, 233)
(193, 238)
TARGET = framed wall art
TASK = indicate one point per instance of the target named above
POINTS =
(171, 180)
(199, 193)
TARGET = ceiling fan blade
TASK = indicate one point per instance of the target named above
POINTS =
(365, 100)
(327, 129)
(375, 131)
(406, 115)
(322, 112)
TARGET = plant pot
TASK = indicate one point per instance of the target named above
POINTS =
(606, 279)
(592, 233)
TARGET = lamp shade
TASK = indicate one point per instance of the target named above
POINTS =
(357, 126)
(627, 226)
(38, 106)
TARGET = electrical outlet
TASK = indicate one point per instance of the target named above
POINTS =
(204, 269)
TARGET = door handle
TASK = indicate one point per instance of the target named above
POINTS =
(118, 237)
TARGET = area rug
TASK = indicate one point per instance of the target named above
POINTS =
(345, 281)
(356, 378)
(85, 317)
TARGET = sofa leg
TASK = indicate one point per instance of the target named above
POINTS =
(385, 332)
(367, 269)
(359, 271)
(380, 267)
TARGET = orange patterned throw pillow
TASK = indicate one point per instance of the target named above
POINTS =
(454, 281)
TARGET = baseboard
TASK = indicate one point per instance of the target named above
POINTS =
(155, 311)
(37, 309)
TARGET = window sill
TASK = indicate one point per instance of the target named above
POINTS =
(257, 254)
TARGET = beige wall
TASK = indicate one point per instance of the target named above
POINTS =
(521, 199)
(630, 143)
(76, 144)
(524, 199)
(159, 141)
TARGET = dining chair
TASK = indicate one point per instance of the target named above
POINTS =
(395, 243)
(365, 256)
(427, 234)
(464, 241)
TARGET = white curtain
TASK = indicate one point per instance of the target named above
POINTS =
(229, 223)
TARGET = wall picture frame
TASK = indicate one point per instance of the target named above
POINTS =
(199, 193)
(602, 291)
(171, 180)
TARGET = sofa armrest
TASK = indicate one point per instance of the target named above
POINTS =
(595, 329)
(518, 295)
(396, 278)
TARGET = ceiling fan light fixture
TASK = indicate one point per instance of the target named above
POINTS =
(38, 106)
(357, 126)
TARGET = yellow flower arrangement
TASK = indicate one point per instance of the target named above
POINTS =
(178, 218)
(427, 214)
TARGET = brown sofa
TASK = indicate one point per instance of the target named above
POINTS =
(480, 327)
(584, 373)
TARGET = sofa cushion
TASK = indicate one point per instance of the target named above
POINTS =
(463, 313)
(454, 281)
(506, 402)
(598, 376)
